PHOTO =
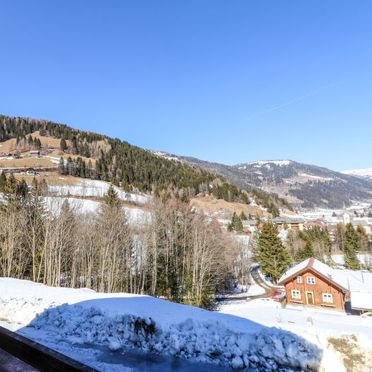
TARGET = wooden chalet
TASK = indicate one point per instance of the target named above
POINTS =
(312, 283)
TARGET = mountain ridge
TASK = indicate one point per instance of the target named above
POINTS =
(365, 173)
(303, 185)
(87, 154)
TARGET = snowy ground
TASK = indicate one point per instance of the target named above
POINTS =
(95, 188)
(82, 206)
(81, 323)
(316, 325)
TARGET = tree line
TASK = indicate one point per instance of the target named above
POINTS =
(276, 256)
(120, 163)
(175, 253)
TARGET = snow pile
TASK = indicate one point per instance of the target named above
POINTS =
(313, 324)
(152, 325)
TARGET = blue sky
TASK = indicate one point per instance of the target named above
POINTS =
(226, 81)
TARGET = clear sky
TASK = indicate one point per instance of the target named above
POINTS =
(226, 81)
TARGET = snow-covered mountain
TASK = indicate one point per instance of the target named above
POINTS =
(365, 173)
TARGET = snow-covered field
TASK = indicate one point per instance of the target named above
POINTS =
(94, 188)
(83, 206)
(70, 320)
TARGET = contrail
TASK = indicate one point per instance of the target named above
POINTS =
(293, 100)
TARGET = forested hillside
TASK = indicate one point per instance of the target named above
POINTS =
(100, 157)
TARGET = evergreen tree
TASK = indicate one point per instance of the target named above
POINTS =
(273, 256)
(11, 185)
(236, 223)
(305, 252)
(63, 145)
(362, 238)
(239, 225)
(22, 189)
(351, 248)
(111, 198)
(273, 209)
(61, 166)
(2, 182)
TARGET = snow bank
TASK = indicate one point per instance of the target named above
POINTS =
(315, 325)
(150, 324)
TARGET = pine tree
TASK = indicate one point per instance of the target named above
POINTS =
(22, 189)
(63, 145)
(273, 256)
(61, 166)
(351, 247)
(2, 182)
(305, 252)
(362, 238)
(111, 198)
(239, 225)
(11, 185)
(236, 223)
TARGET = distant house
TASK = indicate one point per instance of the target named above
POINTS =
(291, 223)
(311, 283)
(313, 224)
(314, 283)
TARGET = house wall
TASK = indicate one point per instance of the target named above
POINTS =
(321, 286)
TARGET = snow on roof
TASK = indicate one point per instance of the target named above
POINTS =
(356, 282)
(293, 270)
(320, 267)
(361, 300)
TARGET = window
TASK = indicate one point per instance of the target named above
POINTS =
(327, 298)
(310, 280)
(299, 280)
(296, 294)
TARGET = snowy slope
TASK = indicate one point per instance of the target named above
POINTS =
(59, 316)
(365, 173)
(94, 188)
(83, 206)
